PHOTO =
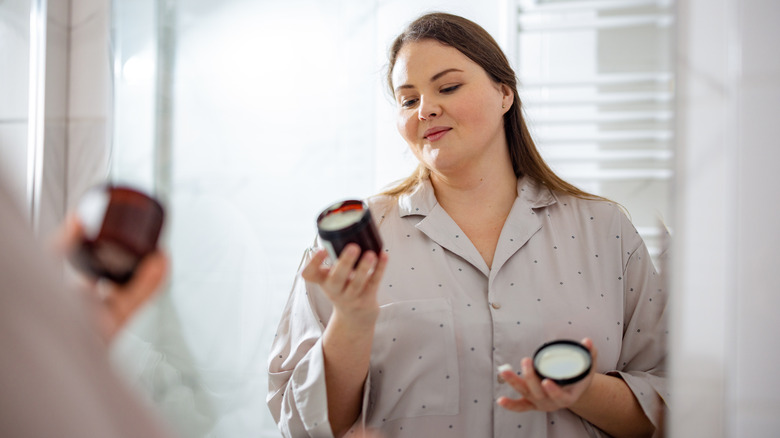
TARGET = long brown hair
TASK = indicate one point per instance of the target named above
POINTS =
(474, 42)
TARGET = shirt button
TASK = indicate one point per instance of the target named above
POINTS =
(496, 305)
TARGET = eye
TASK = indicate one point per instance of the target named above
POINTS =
(408, 103)
(450, 88)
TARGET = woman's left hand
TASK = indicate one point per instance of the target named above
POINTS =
(544, 395)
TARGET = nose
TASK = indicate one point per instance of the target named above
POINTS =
(428, 109)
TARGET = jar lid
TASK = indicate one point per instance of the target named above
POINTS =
(562, 361)
(342, 216)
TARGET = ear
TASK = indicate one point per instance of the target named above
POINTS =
(508, 97)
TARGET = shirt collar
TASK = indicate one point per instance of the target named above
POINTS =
(419, 202)
(423, 199)
(535, 194)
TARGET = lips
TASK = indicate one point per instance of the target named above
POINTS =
(436, 133)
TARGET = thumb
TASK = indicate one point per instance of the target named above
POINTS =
(148, 277)
(125, 300)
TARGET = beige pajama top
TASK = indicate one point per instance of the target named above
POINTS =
(564, 268)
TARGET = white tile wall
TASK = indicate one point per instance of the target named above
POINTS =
(88, 155)
(14, 65)
(53, 190)
(57, 52)
(14, 59)
(89, 92)
(13, 158)
(77, 101)
(89, 86)
(52, 194)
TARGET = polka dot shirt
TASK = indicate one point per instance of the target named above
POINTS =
(564, 268)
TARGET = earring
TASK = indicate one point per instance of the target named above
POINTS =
(503, 105)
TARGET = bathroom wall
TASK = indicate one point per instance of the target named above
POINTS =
(14, 84)
(74, 108)
(89, 94)
(725, 349)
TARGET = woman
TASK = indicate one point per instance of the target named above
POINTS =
(488, 254)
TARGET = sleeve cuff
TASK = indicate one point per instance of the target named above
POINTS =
(311, 398)
(649, 391)
(309, 393)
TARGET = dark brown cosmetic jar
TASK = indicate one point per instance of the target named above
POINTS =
(562, 361)
(348, 222)
(121, 226)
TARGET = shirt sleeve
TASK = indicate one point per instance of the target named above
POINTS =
(297, 395)
(642, 360)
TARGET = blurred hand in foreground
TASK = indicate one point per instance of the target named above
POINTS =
(115, 304)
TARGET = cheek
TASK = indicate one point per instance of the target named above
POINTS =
(407, 127)
(474, 112)
(480, 109)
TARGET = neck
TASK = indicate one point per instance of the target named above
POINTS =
(493, 190)
(479, 204)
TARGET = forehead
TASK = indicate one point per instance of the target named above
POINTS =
(419, 61)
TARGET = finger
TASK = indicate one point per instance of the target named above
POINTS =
(67, 235)
(379, 272)
(121, 302)
(594, 354)
(515, 404)
(533, 382)
(516, 382)
(150, 273)
(361, 274)
(369, 433)
(314, 271)
(587, 342)
(147, 279)
(341, 271)
(556, 394)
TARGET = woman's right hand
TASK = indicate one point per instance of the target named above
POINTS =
(351, 290)
(116, 304)
(347, 340)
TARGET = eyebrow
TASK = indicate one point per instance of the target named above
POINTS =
(433, 78)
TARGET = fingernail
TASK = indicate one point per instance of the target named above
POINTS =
(504, 367)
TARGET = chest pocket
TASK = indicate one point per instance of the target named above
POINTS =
(414, 362)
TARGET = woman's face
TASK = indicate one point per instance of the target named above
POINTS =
(449, 110)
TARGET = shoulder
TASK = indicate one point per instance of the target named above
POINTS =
(382, 206)
(596, 216)
(601, 225)
(589, 209)
(381, 201)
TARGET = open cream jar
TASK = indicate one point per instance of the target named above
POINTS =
(562, 361)
(348, 222)
(121, 226)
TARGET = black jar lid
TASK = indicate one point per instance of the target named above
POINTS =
(343, 208)
(562, 361)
